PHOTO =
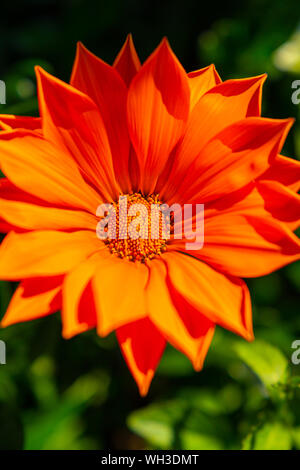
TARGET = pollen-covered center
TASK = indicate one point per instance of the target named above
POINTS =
(136, 227)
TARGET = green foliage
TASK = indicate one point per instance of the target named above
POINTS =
(271, 436)
(174, 425)
(265, 360)
(78, 394)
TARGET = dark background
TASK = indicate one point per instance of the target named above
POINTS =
(78, 394)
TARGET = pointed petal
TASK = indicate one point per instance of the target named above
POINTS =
(41, 169)
(281, 202)
(44, 253)
(286, 171)
(128, 280)
(235, 157)
(196, 282)
(261, 198)
(78, 312)
(179, 327)
(247, 245)
(21, 210)
(10, 121)
(127, 62)
(158, 107)
(201, 81)
(33, 298)
(102, 83)
(34, 217)
(221, 106)
(71, 120)
(142, 346)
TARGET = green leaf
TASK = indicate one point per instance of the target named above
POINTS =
(296, 437)
(42, 429)
(271, 436)
(266, 361)
(174, 425)
(223, 401)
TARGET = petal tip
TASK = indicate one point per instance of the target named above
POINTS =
(129, 39)
(144, 384)
(3, 323)
(66, 334)
(249, 336)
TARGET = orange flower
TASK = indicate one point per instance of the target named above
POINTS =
(149, 132)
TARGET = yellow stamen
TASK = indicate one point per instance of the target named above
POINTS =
(147, 245)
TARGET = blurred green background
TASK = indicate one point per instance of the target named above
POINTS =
(78, 394)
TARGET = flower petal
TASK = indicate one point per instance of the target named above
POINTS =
(34, 298)
(261, 198)
(281, 202)
(158, 107)
(34, 217)
(246, 245)
(286, 171)
(221, 106)
(201, 81)
(78, 312)
(72, 121)
(119, 292)
(142, 346)
(127, 62)
(192, 338)
(19, 209)
(41, 169)
(10, 121)
(5, 227)
(44, 253)
(196, 282)
(235, 157)
(103, 84)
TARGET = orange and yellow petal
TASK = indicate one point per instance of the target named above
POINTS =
(102, 83)
(36, 217)
(221, 106)
(196, 282)
(10, 121)
(127, 62)
(235, 157)
(77, 129)
(248, 245)
(44, 253)
(119, 292)
(201, 81)
(22, 211)
(281, 202)
(34, 298)
(157, 108)
(284, 170)
(142, 346)
(175, 324)
(78, 309)
(39, 168)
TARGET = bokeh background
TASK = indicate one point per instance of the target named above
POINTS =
(78, 394)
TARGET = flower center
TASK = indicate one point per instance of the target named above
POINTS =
(137, 230)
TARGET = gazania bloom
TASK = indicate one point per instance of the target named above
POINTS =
(148, 133)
